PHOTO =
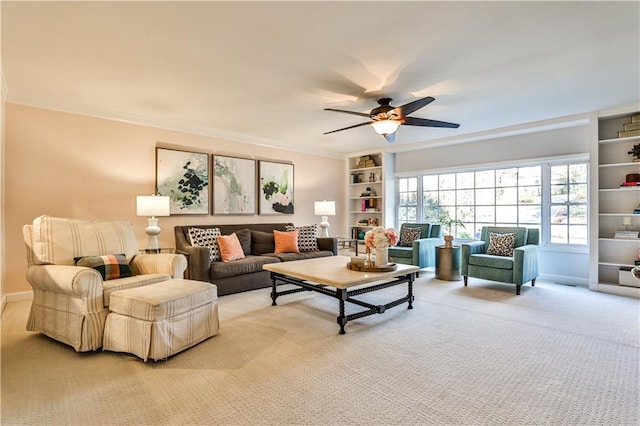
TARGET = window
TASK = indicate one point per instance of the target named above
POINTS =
(551, 197)
(407, 200)
(568, 206)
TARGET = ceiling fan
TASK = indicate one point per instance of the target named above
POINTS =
(386, 119)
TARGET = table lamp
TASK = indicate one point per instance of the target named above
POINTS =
(152, 205)
(324, 209)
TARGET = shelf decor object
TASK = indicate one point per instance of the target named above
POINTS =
(324, 209)
(152, 205)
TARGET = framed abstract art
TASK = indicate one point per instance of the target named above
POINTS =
(275, 188)
(234, 185)
(183, 176)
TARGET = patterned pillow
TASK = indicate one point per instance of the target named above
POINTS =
(206, 237)
(110, 266)
(501, 244)
(307, 237)
(408, 236)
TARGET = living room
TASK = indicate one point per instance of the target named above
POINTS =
(76, 150)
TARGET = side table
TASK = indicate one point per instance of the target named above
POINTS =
(448, 262)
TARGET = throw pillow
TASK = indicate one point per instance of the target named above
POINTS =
(307, 237)
(230, 248)
(286, 242)
(110, 266)
(244, 235)
(206, 237)
(262, 242)
(501, 244)
(408, 236)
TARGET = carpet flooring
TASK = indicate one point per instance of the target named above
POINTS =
(463, 356)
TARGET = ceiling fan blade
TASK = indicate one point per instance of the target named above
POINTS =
(391, 137)
(413, 106)
(361, 114)
(412, 121)
(350, 127)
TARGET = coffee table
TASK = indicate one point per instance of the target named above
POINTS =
(330, 276)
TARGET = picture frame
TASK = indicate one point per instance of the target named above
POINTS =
(183, 176)
(234, 185)
(275, 188)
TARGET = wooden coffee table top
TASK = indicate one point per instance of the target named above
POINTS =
(333, 271)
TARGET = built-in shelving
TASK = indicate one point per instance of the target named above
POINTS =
(615, 205)
(366, 193)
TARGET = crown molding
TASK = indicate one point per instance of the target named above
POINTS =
(107, 114)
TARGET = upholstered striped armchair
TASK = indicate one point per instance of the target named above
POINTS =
(491, 259)
(70, 302)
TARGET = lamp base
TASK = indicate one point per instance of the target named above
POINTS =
(324, 225)
(152, 231)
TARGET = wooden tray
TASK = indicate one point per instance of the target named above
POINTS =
(361, 268)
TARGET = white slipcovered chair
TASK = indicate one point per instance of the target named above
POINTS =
(70, 302)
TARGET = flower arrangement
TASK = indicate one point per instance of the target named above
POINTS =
(379, 238)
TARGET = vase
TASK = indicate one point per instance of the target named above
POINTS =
(382, 257)
(448, 241)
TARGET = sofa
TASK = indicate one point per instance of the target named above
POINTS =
(258, 246)
(422, 251)
(75, 265)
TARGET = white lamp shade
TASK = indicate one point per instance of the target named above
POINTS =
(152, 205)
(324, 208)
(385, 127)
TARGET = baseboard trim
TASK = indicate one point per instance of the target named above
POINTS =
(565, 279)
(19, 296)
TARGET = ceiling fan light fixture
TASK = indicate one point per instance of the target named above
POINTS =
(385, 127)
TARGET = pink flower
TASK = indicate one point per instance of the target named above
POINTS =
(380, 238)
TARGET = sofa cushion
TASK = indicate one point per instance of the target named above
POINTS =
(262, 242)
(134, 281)
(287, 257)
(206, 237)
(244, 236)
(286, 242)
(58, 241)
(408, 235)
(247, 265)
(230, 248)
(490, 261)
(110, 266)
(501, 244)
(307, 237)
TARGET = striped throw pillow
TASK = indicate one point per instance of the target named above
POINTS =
(307, 237)
(206, 237)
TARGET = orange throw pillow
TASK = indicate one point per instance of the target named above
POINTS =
(286, 242)
(230, 247)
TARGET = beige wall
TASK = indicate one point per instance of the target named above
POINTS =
(70, 165)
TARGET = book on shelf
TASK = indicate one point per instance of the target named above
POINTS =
(628, 133)
(626, 235)
(632, 126)
(635, 118)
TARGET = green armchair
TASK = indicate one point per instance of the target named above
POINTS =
(422, 252)
(518, 269)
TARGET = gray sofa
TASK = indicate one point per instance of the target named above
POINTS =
(258, 247)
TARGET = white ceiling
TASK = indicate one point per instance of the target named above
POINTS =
(262, 72)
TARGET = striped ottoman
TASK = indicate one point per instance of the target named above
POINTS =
(158, 320)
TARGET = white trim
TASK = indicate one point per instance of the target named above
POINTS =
(173, 126)
(564, 279)
(19, 296)
(519, 129)
(569, 158)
